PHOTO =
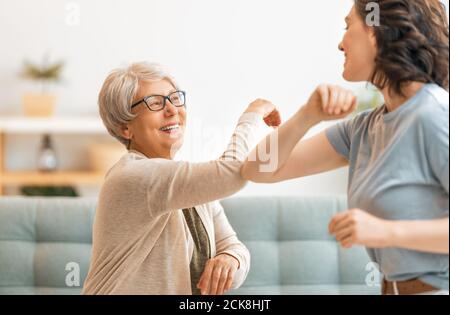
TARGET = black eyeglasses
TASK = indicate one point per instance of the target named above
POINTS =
(156, 103)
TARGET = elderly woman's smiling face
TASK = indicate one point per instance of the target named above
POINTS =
(157, 134)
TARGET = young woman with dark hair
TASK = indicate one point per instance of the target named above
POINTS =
(398, 153)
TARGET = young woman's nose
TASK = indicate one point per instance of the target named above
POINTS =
(341, 46)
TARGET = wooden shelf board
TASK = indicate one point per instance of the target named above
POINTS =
(65, 125)
(53, 178)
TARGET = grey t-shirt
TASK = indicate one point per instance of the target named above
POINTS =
(399, 170)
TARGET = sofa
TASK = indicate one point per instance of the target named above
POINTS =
(45, 246)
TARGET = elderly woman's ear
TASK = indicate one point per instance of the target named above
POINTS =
(126, 132)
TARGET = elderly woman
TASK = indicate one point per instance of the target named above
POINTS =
(158, 228)
(398, 153)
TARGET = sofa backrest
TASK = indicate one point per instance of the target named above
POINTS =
(291, 249)
(43, 241)
(39, 239)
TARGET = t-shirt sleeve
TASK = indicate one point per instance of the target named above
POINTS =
(436, 133)
(340, 138)
(344, 133)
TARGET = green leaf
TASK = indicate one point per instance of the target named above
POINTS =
(48, 73)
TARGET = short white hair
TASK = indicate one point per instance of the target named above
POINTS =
(119, 91)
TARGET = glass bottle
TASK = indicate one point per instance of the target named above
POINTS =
(47, 160)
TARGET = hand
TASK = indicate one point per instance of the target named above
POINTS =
(218, 275)
(329, 102)
(357, 227)
(269, 112)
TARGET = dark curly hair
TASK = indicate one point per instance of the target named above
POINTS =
(412, 40)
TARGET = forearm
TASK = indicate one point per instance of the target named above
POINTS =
(243, 137)
(276, 148)
(242, 256)
(180, 185)
(228, 243)
(427, 236)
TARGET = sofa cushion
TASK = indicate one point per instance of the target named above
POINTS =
(39, 238)
(291, 250)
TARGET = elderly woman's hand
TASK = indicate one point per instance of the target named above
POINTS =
(269, 112)
(218, 275)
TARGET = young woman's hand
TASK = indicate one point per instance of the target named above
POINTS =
(329, 102)
(357, 227)
(269, 112)
(218, 275)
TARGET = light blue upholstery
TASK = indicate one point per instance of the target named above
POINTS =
(38, 237)
(291, 250)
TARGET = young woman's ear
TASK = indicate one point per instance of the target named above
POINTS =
(373, 37)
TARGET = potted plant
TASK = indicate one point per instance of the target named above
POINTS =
(368, 98)
(41, 103)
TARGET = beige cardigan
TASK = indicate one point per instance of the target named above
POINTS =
(141, 242)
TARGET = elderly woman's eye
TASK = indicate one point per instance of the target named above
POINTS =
(155, 103)
(176, 99)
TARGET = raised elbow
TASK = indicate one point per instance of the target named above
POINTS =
(245, 172)
(255, 176)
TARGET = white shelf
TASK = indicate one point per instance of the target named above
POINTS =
(69, 125)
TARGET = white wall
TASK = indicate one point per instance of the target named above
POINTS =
(225, 53)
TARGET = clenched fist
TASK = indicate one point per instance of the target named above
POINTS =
(269, 112)
(329, 102)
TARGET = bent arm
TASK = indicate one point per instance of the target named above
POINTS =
(427, 236)
(227, 242)
(173, 185)
(295, 158)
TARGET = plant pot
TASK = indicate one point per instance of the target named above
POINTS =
(39, 104)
